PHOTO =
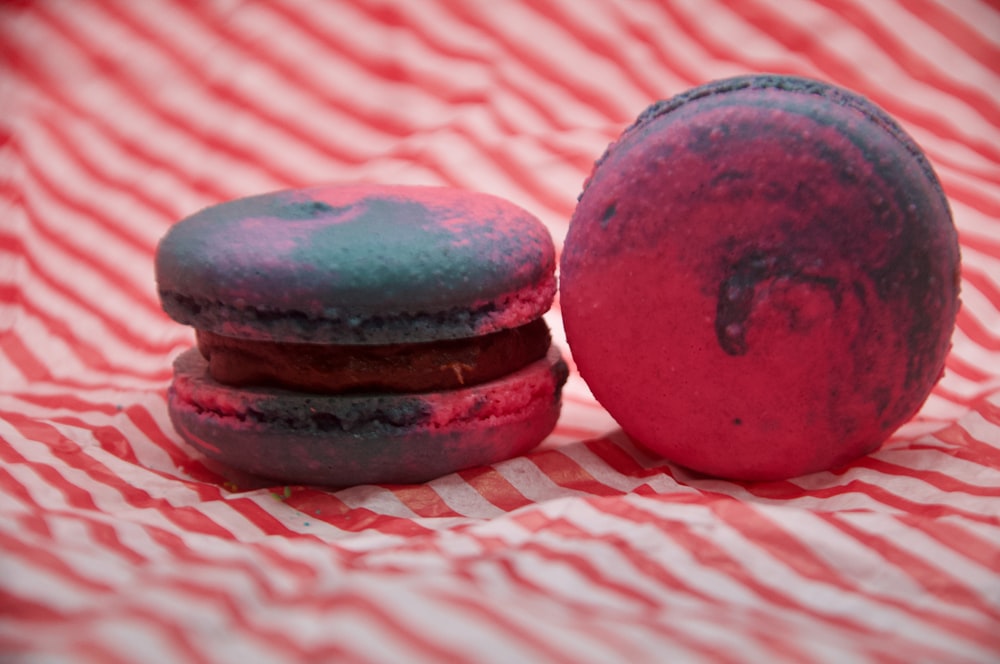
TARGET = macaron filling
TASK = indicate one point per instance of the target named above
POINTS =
(402, 367)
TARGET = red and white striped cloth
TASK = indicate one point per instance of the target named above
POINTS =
(119, 544)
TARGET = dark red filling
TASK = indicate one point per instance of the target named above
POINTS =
(420, 367)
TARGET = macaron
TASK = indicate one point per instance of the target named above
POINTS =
(761, 278)
(358, 333)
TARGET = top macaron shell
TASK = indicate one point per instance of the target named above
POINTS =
(751, 246)
(357, 264)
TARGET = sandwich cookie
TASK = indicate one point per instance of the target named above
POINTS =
(362, 333)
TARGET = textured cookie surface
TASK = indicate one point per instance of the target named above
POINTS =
(761, 278)
(342, 440)
(357, 264)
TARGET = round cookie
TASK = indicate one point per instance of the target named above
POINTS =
(362, 333)
(362, 438)
(761, 278)
(357, 264)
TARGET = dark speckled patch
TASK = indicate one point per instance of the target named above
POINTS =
(368, 416)
(308, 210)
(737, 293)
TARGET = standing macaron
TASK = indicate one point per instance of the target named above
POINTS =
(361, 333)
(761, 278)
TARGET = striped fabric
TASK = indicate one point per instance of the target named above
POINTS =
(119, 544)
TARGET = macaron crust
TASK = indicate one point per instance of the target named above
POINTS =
(358, 333)
(761, 278)
(357, 264)
(348, 439)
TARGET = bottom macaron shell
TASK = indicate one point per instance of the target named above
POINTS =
(355, 439)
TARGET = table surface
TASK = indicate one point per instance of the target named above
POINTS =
(118, 543)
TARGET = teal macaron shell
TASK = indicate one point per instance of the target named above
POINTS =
(357, 263)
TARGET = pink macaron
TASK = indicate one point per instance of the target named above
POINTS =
(761, 278)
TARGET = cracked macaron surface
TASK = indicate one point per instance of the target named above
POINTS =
(761, 278)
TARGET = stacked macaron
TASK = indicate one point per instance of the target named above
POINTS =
(361, 333)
